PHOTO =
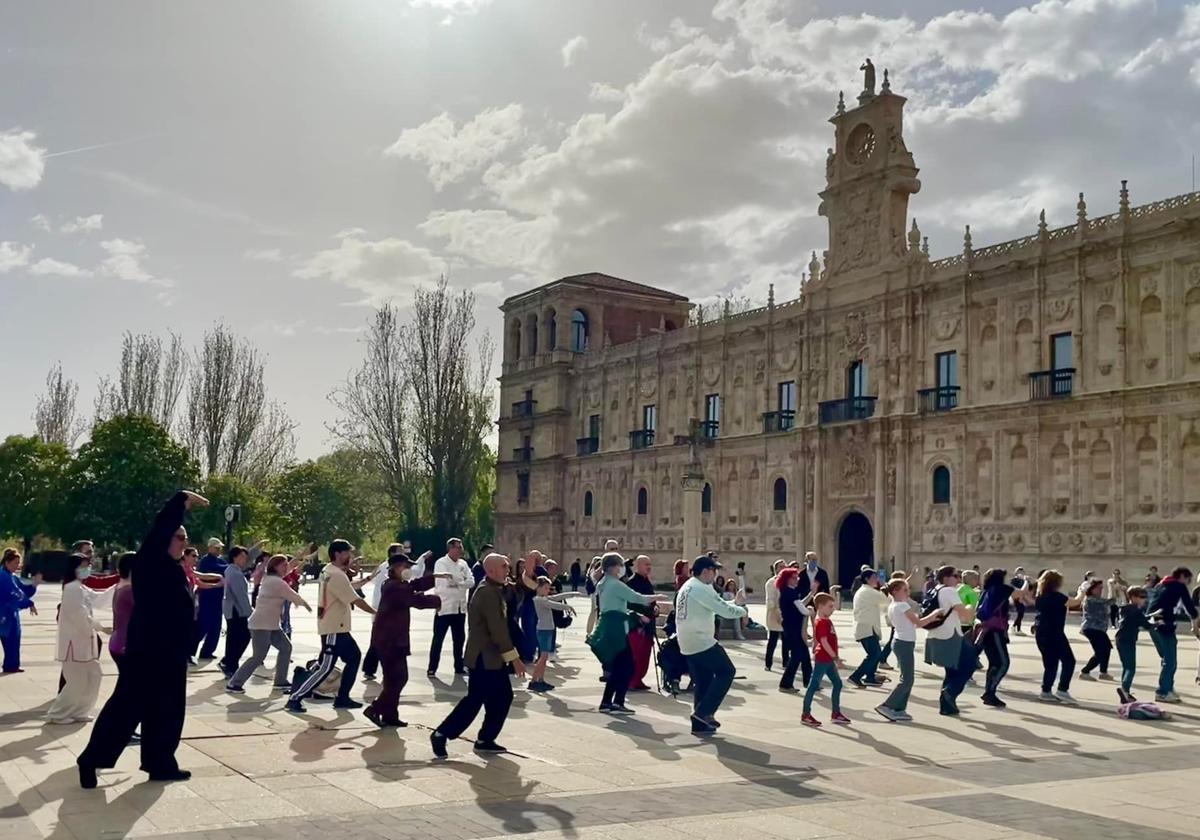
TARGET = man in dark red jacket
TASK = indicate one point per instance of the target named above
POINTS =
(389, 635)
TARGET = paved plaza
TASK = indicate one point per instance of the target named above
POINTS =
(1029, 771)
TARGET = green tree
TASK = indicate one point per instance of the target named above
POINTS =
(119, 480)
(316, 503)
(257, 518)
(31, 475)
(480, 527)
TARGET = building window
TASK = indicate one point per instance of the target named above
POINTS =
(594, 426)
(587, 503)
(780, 501)
(579, 331)
(941, 485)
(1060, 351)
(643, 503)
(649, 418)
(856, 379)
(706, 499)
(523, 488)
(551, 330)
(947, 369)
(787, 396)
(712, 415)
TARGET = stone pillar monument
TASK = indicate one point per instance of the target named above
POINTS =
(693, 489)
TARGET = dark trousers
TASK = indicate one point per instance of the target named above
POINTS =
(774, 638)
(866, 669)
(994, 645)
(208, 632)
(1020, 607)
(12, 647)
(712, 675)
(151, 690)
(334, 646)
(237, 639)
(487, 690)
(1127, 651)
(619, 672)
(1114, 612)
(1056, 651)
(395, 677)
(1101, 651)
(457, 625)
(793, 640)
(371, 663)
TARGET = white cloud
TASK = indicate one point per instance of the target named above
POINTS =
(124, 262)
(604, 92)
(58, 268)
(572, 49)
(84, 224)
(21, 161)
(13, 255)
(41, 222)
(265, 255)
(451, 152)
(380, 268)
(492, 237)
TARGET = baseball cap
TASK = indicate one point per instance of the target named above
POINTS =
(215, 543)
(703, 563)
(397, 559)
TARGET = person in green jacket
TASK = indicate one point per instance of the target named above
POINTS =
(610, 640)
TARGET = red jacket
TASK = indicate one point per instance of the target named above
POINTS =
(390, 630)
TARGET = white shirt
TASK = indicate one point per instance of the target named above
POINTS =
(869, 603)
(376, 583)
(77, 628)
(897, 613)
(452, 590)
(952, 626)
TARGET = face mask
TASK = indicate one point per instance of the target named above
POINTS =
(812, 565)
(82, 573)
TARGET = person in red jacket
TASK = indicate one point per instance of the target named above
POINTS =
(389, 635)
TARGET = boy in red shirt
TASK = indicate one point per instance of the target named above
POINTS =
(825, 662)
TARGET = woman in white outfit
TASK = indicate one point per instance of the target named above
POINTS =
(78, 649)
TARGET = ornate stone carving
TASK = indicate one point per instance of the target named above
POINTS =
(855, 332)
(1105, 293)
(946, 327)
(1059, 309)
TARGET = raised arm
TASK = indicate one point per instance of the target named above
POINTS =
(166, 523)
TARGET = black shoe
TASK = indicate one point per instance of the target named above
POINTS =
(296, 707)
(700, 726)
(460, 672)
(394, 723)
(373, 716)
(489, 747)
(87, 777)
(347, 704)
(606, 707)
(620, 709)
(368, 678)
(994, 701)
(431, 673)
(1124, 696)
(713, 722)
(947, 707)
(438, 742)
(135, 740)
(856, 681)
(789, 689)
(171, 776)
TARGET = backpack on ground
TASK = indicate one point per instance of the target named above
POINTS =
(1142, 710)
(930, 605)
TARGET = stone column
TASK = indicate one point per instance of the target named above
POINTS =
(880, 531)
(693, 488)
(818, 494)
(901, 536)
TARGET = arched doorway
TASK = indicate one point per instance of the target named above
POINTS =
(855, 547)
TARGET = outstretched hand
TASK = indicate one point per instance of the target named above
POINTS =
(195, 500)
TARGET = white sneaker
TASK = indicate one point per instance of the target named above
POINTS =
(1065, 697)
(1047, 697)
(1083, 675)
(1169, 697)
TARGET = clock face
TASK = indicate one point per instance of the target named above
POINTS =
(861, 143)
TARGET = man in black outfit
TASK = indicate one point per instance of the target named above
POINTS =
(152, 684)
(812, 577)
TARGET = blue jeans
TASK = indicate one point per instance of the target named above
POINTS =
(820, 671)
(866, 670)
(1168, 649)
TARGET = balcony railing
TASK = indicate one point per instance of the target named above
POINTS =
(844, 411)
(587, 446)
(641, 439)
(942, 398)
(524, 408)
(710, 429)
(783, 420)
(524, 454)
(1051, 384)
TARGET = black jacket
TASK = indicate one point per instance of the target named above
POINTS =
(161, 625)
(822, 581)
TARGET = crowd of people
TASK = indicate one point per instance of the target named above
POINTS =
(170, 606)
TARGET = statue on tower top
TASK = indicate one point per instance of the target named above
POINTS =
(868, 81)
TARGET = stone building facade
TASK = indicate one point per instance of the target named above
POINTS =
(1032, 403)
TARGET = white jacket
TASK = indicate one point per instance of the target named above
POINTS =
(452, 590)
(869, 604)
(77, 628)
(774, 617)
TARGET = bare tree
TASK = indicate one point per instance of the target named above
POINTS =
(376, 418)
(56, 416)
(452, 404)
(149, 382)
(230, 426)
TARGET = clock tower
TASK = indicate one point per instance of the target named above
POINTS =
(869, 176)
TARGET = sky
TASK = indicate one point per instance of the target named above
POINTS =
(283, 167)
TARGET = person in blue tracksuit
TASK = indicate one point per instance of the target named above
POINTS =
(15, 595)
(209, 612)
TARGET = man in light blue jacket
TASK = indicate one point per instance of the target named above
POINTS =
(696, 607)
